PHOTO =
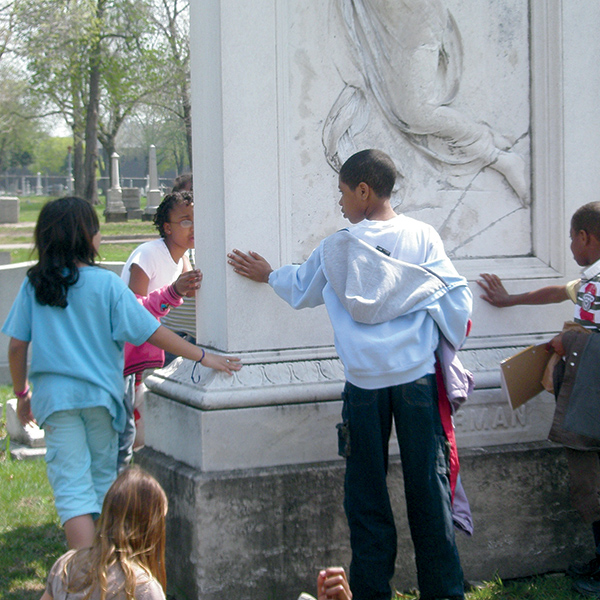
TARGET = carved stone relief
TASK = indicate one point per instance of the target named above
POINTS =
(443, 86)
(403, 94)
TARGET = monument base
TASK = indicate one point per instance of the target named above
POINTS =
(264, 532)
(115, 217)
(135, 214)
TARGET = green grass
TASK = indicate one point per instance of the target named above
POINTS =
(109, 251)
(30, 206)
(31, 538)
(550, 587)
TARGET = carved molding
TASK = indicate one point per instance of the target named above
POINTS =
(256, 384)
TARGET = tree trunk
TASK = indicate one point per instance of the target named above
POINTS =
(79, 183)
(91, 136)
(91, 119)
(108, 143)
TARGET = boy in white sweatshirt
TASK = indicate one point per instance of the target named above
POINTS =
(390, 291)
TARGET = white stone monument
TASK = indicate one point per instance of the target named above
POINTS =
(153, 195)
(115, 209)
(39, 190)
(480, 104)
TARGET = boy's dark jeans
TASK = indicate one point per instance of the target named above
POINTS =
(423, 451)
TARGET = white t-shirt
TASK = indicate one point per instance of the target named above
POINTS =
(156, 261)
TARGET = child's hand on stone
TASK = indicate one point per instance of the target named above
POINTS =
(222, 363)
(187, 283)
(495, 292)
(24, 413)
(251, 265)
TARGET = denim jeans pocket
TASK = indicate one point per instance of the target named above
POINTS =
(419, 392)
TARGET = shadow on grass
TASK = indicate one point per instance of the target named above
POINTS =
(26, 556)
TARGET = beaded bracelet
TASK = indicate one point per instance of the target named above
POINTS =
(195, 365)
(23, 393)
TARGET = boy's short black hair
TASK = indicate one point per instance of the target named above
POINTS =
(373, 167)
(587, 218)
(169, 202)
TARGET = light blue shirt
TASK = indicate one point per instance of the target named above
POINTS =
(77, 351)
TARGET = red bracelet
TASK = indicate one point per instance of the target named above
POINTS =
(23, 393)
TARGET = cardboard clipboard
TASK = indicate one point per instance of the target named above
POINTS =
(521, 374)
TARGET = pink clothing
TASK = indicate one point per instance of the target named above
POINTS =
(158, 303)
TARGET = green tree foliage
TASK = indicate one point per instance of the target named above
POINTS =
(19, 132)
(84, 59)
(133, 69)
(51, 155)
(19, 129)
(171, 19)
(94, 64)
(54, 37)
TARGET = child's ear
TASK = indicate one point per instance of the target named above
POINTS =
(585, 237)
(364, 190)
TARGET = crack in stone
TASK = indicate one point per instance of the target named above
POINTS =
(475, 235)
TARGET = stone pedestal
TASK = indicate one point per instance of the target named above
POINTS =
(131, 199)
(9, 210)
(271, 529)
(115, 209)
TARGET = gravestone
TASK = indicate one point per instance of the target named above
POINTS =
(282, 95)
(9, 210)
(39, 190)
(115, 209)
(25, 441)
(153, 194)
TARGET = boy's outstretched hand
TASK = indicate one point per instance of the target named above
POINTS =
(251, 265)
(495, 292)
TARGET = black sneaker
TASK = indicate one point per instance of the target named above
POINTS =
(584, 569)
(587, 586)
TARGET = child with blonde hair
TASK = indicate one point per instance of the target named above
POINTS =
(127, 558)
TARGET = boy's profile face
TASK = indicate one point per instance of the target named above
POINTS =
(579, 247)
(353, 206)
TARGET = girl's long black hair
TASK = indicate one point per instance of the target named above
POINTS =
(63, 238)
